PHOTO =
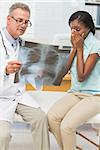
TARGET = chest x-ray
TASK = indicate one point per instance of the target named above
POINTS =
(41, 64)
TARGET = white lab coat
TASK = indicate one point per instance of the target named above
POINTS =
(11, 94)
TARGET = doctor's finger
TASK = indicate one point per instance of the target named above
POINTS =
(9, 70)
(14, 62)
(16, 65)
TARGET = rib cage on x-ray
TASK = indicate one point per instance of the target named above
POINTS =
(43, 61)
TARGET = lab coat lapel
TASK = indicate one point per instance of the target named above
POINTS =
(13, 55)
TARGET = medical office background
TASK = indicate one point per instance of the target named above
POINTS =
(50, 18)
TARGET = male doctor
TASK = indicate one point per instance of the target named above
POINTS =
(13, 97)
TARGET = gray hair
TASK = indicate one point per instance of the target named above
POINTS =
(19, 5)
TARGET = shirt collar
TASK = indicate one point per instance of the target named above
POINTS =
(87, 41)
(9, 37)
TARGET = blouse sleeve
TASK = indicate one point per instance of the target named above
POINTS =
(96, 48)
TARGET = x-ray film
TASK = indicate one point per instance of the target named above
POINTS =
(42, 64)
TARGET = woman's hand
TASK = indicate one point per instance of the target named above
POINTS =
(77, 40)
(13, 66)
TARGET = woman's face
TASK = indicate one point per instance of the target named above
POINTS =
(79, 27)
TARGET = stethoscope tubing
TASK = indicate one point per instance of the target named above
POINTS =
(4, 44)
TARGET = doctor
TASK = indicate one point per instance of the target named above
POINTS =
(13, 97)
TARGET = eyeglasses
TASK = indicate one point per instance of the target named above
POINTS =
(20, 21)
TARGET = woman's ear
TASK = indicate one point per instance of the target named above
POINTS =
(86, 34)
(88, 31)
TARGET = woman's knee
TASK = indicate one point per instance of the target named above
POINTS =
(53, 120)
(67, 128)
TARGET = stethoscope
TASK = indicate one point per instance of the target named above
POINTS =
(6, 51)
(7, 55)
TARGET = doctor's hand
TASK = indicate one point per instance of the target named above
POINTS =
(13, 67)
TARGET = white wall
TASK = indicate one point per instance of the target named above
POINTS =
(49, 20)
(49, 17)
(4, 8)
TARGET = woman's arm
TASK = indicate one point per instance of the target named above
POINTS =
(70, 59)
(73, 52)
(85, 68)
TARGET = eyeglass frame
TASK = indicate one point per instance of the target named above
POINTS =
(20, 21)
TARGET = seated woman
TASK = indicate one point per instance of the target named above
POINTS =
(82, 101)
